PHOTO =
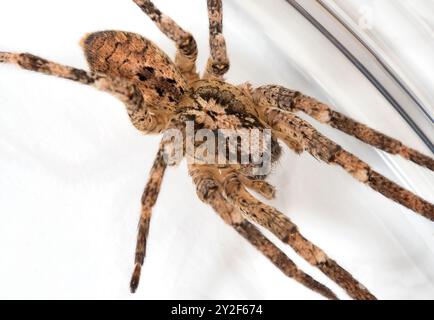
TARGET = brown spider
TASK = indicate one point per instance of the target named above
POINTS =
(161, 95)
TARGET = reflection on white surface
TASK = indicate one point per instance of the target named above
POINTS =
(73, 169)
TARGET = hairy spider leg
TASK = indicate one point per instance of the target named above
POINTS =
(210, 192)
(123, 90)
(186, 55)
(291, 127)
(149, 199)
(289, 100)
(284, 229)
(218, 63)
(30, 62)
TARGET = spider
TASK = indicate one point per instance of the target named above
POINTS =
(161, 95)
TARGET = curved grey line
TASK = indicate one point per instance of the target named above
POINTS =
(364, 71)
(380, 61)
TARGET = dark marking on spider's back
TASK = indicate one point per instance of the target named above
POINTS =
(131, 57)
(231, 98)
(228, 107)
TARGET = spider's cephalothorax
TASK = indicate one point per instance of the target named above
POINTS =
(161, 95)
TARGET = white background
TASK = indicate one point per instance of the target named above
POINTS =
(73, 168)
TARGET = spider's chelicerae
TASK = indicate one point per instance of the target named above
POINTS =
(161, 95)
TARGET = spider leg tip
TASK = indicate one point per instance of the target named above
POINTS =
(6, 57)
(330, 295)
(134, 283)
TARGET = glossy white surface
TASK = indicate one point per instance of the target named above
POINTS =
(73, 169)
(402, 32)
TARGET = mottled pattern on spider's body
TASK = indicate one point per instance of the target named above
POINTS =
(129, 56)
(225, 110)
(160, 95)
(187, 48)
(218, 62)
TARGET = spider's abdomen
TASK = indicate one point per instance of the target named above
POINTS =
(131, 57)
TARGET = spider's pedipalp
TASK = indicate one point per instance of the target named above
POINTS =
(210, 191)
(186, 55)
(218, 64)
(284, 229)
(289, 126)
(289, 100)
(260, 186)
